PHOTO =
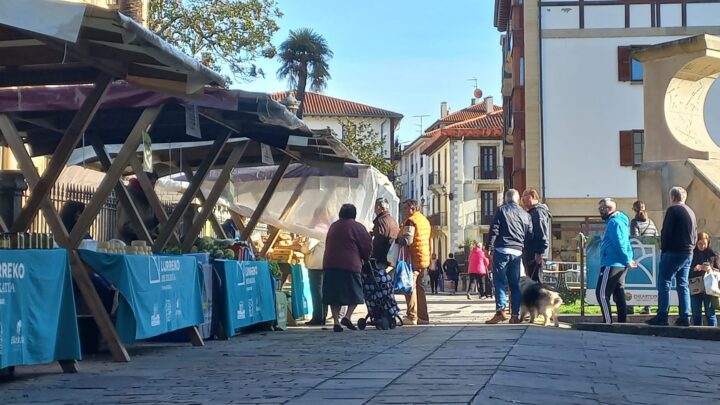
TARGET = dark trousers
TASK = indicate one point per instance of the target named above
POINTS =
(316, 285)
(485, 286)
(434, 279)
(533, 270)
(612, 283)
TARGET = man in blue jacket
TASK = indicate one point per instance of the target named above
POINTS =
(510, 228)
(616, 256)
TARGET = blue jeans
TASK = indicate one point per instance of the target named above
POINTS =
(674, 265)
(507, 267)
(698, 301)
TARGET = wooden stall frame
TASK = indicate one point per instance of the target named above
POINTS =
(265, 199)
(292, 201)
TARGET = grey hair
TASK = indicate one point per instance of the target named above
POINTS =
(383, 203)
(678, 193)
(512, 195)
(608, 202)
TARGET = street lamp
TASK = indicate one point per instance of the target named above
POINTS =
(450, 196)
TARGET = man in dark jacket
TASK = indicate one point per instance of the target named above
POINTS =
(677, 241)
(126, 230)
(510, 228)
(535, 250)
(384, 232)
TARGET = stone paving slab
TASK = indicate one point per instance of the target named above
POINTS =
(447, 362)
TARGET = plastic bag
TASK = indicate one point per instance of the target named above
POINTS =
(403, 274)
(392, 256)
(712, 283)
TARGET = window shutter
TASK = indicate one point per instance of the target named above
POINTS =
(624, 63)
(626, 148)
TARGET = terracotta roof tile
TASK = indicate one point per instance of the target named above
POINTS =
(319, 104)
(473, 111)
(487, 126)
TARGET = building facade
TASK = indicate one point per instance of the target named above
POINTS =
(573, 96)
(323, 112)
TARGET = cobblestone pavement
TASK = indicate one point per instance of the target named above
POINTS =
(455, 360)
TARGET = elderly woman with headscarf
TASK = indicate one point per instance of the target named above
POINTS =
(347, 245)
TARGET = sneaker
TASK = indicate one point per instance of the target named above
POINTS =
(499, 317)
(515, 319)
(680, 322)
(645, 311)
(423, 322)
(656, 321)
(337, 328)
(408, 321)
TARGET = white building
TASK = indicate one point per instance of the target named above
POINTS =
(454, 170)
(576, 97)
(323, 112)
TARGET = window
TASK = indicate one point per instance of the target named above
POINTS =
(522, 71)
(629, 68)
(632, 144)
(488, 162)
(488, 200)
(421, 162)
(422, 186)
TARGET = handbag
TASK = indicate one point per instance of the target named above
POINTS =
(711, 280)
(696, 285)
(403, 274)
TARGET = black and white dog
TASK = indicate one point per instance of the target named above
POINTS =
(536, 299)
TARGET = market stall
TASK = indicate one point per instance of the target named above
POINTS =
(85, 49)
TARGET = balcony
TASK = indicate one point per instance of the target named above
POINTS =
(478, 219)
(434, 180)
(439, 219)
(484, 174)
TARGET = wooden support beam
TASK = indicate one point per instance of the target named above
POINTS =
(16, 145)
(263, 203)
(122, 194)
(194, 335)
(81, 275)
(212, 198)
(3, 225)
(238, 220)
(214, 222)
(69, 366)
(113, 174)
(60, 157)
(283, 216)
(191, 191)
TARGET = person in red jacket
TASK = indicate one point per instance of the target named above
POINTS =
(477, 271)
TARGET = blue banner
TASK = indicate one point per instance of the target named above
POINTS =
(249, 296)
(37, 309)
(159, 294)
(301, 298)
(206, 282)
(640, 282)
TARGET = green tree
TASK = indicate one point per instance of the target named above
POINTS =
(366, 144)
(304, 55)
(226, 35)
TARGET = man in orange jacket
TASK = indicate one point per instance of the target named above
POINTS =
(416, 236)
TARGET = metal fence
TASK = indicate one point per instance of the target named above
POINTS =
(104, 225)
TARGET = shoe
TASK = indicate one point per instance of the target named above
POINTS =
(423, 322)
(499, 317)
(348, 324)
(314, 323)
(468, 296)
(408, 321)
(656, 321)
(515, 319)
(337, 328)
(645, 311)
(679, 322)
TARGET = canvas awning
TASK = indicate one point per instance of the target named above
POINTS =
(57, 42)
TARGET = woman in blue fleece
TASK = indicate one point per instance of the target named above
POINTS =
(616, 256)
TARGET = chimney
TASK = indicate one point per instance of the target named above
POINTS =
(489, 105)
(473, 101)
(443, 110)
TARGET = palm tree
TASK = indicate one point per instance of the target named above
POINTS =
(132, 9)
(304, 56)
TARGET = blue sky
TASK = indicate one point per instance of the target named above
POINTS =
(401, 55)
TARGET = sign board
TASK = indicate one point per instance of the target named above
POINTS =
(641, 282)
(192, 121)
(266, 154)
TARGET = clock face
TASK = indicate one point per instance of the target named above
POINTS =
(712, 112)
